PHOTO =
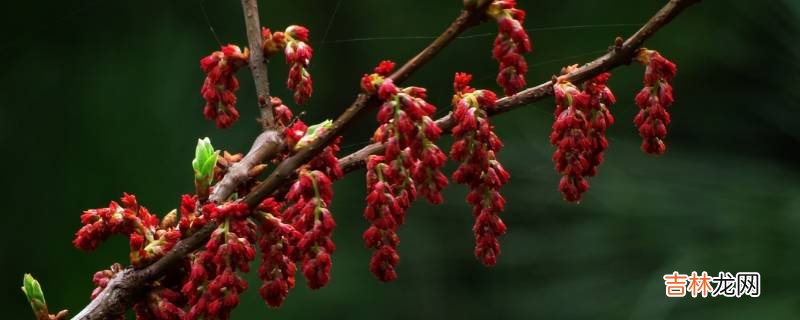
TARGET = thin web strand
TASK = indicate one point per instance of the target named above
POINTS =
(481, 35)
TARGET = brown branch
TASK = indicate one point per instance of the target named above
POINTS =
(258, 64)
(618, 55)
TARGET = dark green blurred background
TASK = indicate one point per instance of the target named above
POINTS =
(101, 97)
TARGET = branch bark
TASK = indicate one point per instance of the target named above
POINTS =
(130, 284)
(258, 65)
(268, 143)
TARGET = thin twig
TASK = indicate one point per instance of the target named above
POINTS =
(258, 65)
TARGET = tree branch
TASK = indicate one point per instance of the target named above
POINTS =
(620, 54)
(258, 65)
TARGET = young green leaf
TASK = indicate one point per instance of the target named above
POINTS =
(312, 133)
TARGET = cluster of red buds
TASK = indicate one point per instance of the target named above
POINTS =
(411, 164)
(599, 116)
(221, 83)
(511, 42)
(191, 220)
(149, 238)
(476, 146)
(282, 113)
(209, 283)
(278, 245)
(294, 44)
(308, 201)
(581, 120)
(653, 100)
(384, 213)
(302, 231)
(214, 284)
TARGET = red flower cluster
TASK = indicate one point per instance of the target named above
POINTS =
(653, 101)
(384, 213)
(511, 42)
(191, 220)
(371, 82)
(221, 83)
(411, 163)
(213, 286)
(277, 243)
(149, 240)
(309, 198)
(599, 117)
(302, 232)
(294, 43)
(282, 113)
(476, 146)
(581, 120)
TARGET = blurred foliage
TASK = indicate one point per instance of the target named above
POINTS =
(101, 97)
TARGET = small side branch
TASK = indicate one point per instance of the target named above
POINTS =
(258, 65)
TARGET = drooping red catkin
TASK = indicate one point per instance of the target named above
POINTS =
(570, 136)
(309, 198)
(149, 240)
(476, 146)
(599, 116)
(579, 132)
(411, 164)
(384, 214)
(511, 43)
(213, 286)
(277, 242)
(653, 100)
(294, 43)
(221, 83)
